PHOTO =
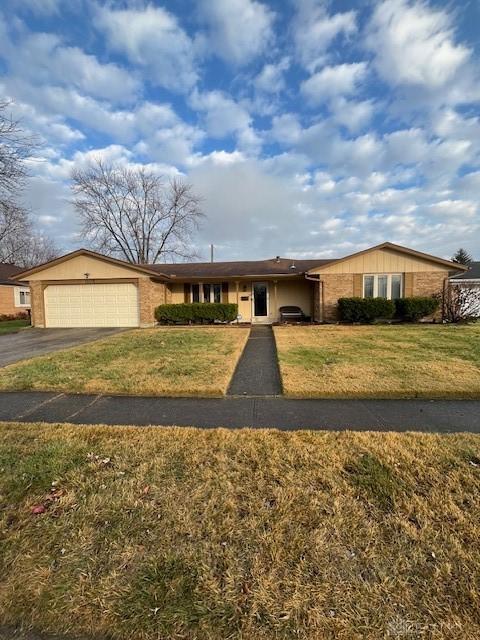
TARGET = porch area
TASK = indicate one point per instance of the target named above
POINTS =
(259, 300)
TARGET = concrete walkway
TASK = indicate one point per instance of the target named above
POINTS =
(235, 412)
(257, 372)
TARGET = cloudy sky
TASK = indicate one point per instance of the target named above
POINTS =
(310, 128)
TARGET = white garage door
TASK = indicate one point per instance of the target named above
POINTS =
(91, 305)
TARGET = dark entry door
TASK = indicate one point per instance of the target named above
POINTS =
(260, 299)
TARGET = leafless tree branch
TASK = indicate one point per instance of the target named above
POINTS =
(461, 302)
(19, 243)
(133, 214)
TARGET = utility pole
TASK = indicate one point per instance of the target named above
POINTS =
(211, 253)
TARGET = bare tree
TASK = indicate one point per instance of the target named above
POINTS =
(19, 242)
(134, 214)
(15, 147)
(13, 224)
(461, 302)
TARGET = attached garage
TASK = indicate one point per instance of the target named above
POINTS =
(85, 289)
(91, 305)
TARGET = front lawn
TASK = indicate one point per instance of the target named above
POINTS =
(400, 361)
(12, 326)
(142, 534)
(142, 362)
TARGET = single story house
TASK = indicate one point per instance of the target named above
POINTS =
(470, 276)
(86, 289)
(14, 295)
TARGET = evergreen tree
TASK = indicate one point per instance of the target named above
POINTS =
(462, 257)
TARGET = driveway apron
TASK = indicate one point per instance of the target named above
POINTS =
(257, 372)
(38, 342)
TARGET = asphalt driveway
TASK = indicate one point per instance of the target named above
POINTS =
(37, 342)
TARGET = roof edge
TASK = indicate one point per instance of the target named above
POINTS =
(93, 254)
(401, 249)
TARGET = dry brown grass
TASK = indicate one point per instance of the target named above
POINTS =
(155, 533)
(401, 361)
(168, 361)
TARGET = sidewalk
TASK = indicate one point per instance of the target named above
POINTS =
(237, 412)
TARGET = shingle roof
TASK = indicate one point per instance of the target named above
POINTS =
(274, 266)
(8, 270)
(473, 273)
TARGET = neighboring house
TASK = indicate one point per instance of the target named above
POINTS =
(470, 276)
(471, 279)
(86, 289)
(14, 295)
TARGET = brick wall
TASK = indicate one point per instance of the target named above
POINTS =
(335, 286)
(429, 283)
(7, 301)
(36, 297)
(150, 294)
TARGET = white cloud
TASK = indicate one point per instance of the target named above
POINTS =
(414, 44)
(50, 127)
(42, 7)
(222, 114)
(447, 123)
(409, 146)
(298, 214)
(454, 208)
(286, 128)
(342, 79)
(352, 115)
(152, 38)
(314, 31)
(271, 77)
(239, 30)
(155, 129)
(43, 59)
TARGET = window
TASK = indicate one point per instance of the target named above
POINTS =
(22, 297)
(368, 282)
(195, 293)
(383, 285)
(217, 292)
(206, 292)
(396, 286)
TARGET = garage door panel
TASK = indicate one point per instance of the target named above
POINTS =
(91, 305)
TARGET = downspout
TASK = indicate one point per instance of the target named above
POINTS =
(320, 294)
(446, 294)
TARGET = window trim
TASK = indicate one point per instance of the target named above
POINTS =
(26, 291)
(201, 290)
(389, 276)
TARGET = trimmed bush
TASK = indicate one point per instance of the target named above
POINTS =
(365, 310)
(416, 308)
(196, 313)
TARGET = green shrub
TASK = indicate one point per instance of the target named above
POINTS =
(365, 310)
(413, 309)
(196, 313)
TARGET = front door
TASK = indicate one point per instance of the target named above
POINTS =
(260, 302)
